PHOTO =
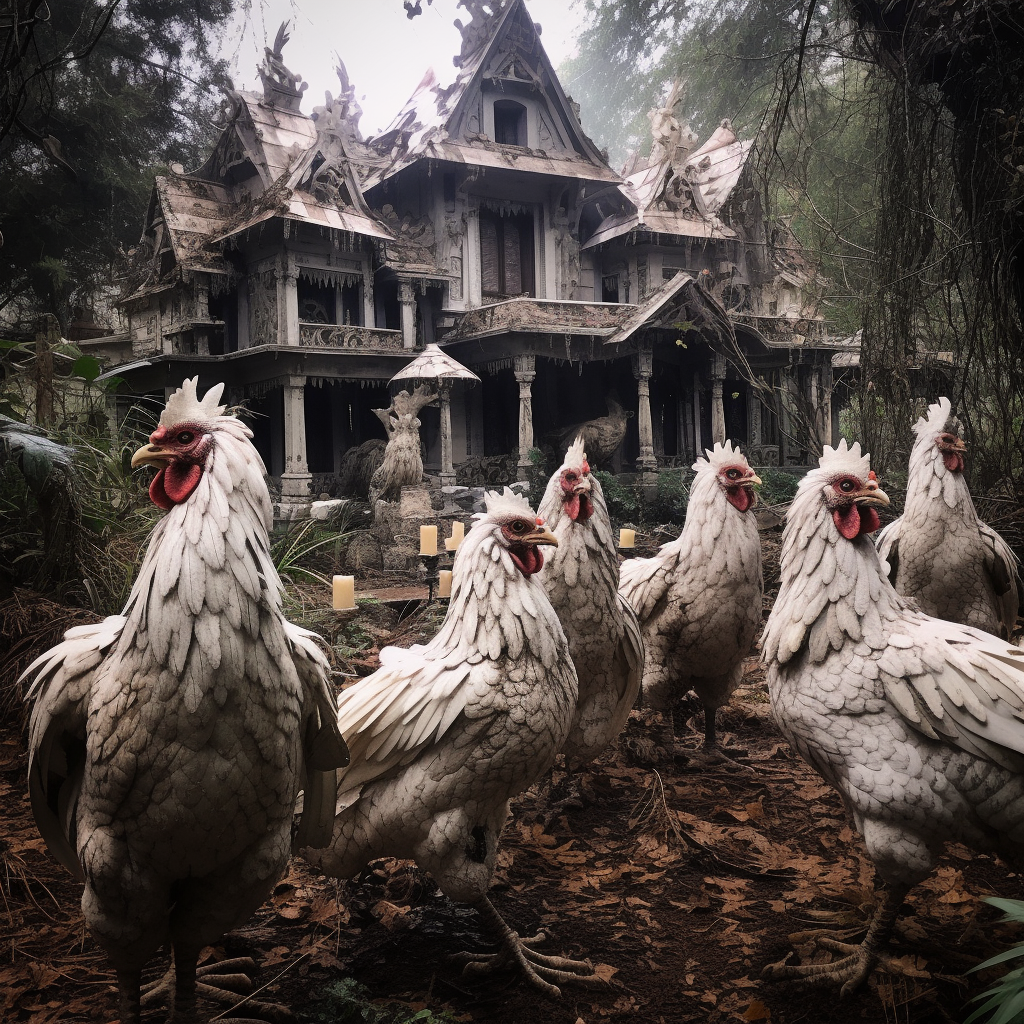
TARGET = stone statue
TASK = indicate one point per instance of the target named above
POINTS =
(402, 465)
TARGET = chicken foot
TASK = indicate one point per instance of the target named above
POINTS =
(226, 983)
(541, 971)
(857, 961)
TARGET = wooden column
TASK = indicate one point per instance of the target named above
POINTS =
(643, 367)
(407, 298)
(698, 441)
(717, 402)
(287, 275)
(447, 465)
(296, 478)
(825, 405)
(754, 439)
(525, 369)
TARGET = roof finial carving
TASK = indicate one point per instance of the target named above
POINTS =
(478, 30)
(281, 88)
(672, 139)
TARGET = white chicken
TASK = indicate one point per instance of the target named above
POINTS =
(168, 744)
(917, 722)
(581, 578)
(699, 599)
(444, 735)
(939, 552)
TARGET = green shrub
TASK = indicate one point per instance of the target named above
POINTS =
(348, 1001)
(777, 486)
(1005, 999)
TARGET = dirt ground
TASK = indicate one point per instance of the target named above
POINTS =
(680, 883)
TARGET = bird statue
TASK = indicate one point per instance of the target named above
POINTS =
(939, 552)
(167, 744)
(581, 579)
(699, 598)
(916, 722)
(402, 463)
(444, 735)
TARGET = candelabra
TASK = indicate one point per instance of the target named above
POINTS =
(430, 563)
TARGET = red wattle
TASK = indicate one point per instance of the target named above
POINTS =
(847, 521)
(954, 461)
(174, 483)
(157, 494)
(528, 559)
(586, 507)
(869, 520)
(572, 506)
(739, 497)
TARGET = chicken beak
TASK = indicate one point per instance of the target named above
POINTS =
(583, 487)
(150, 454)
(542, 535)
(753, 479)
(960, 446)
(871, 494)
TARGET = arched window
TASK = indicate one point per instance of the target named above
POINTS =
(509, 123)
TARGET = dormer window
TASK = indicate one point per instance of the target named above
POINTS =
(509, 123)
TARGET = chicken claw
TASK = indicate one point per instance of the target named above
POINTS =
(856, 962)
(226, 983)
(540, 970)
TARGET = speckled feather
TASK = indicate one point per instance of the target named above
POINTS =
(939, 551)
(444, 735)
(168, 744)
(581, 577)
(699, 599)
(917, 722)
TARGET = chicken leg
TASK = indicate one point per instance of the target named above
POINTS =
(853, 968)
(540, 970)
(227, 983)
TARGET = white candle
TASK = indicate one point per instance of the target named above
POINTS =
(428, 540)
(344, 593)
(458, 532)
(444, 583)
(627, 538)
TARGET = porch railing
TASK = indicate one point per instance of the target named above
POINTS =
(350, 336)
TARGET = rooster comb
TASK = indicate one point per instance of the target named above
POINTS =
(720, 455)
(184, 405)
(846, 458)
(937, 419)
(508, 502)
(576, 454)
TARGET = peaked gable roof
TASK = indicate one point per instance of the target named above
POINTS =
(500, 46)
(685, 197)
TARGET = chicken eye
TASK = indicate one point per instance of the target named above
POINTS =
(732, 474)
(520, 527)
(846, 485)
(570, 477)
(185, 437)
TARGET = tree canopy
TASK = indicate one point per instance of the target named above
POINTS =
(97, 94)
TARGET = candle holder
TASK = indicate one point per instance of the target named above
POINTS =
(430, 563)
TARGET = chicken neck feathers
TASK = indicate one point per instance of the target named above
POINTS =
(581, 577)
(837, 617)
(499, 662)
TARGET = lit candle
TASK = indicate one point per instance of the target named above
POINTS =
(627, 538)
(344, 593)
(444, 583)
(428, 540)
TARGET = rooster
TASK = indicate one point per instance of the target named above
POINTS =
(167, 744)
(444, 735)
(914, 720)
(581, 579)
(699, 599)
(939, 552)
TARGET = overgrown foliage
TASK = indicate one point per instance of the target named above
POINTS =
(96, 95)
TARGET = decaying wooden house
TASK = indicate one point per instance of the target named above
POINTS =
(305, 266)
